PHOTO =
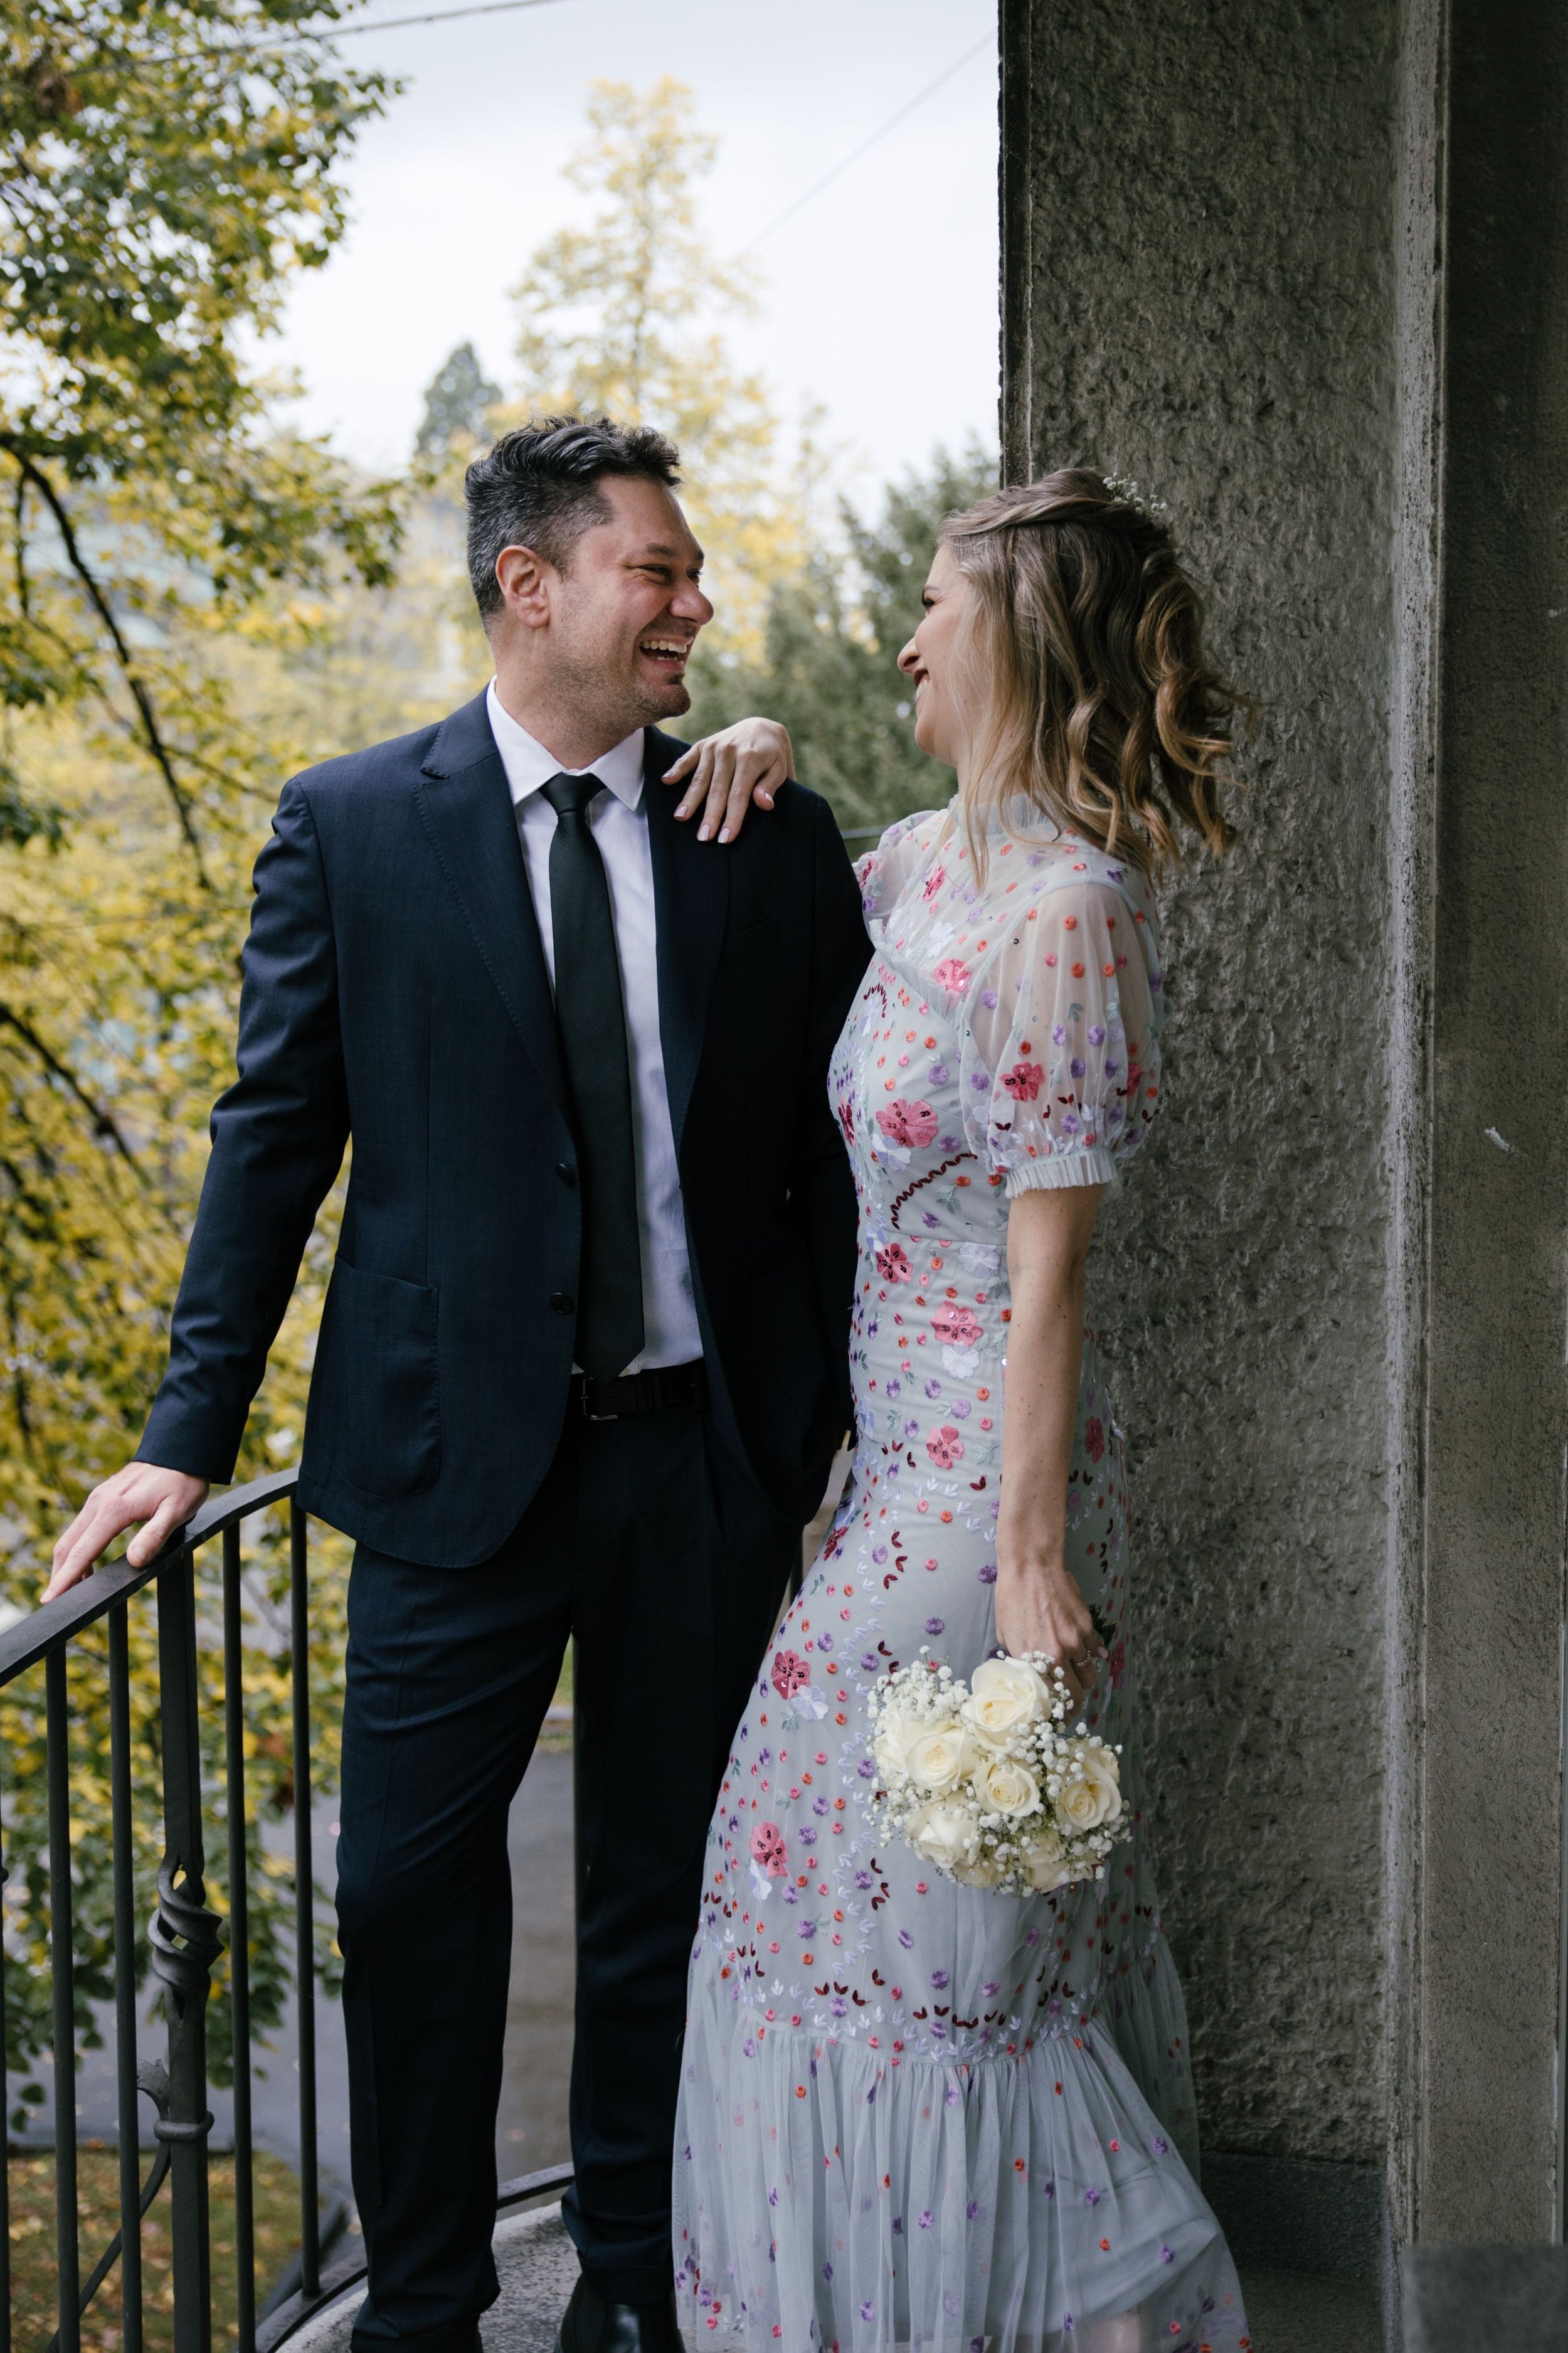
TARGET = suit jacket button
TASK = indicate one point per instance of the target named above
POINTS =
(567, 1174)
(563, 1301)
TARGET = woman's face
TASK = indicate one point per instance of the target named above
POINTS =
(928, 660)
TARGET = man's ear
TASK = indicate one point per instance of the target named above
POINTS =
(525, 581)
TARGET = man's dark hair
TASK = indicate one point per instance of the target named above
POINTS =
(539, 488)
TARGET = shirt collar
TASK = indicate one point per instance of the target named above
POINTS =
(529, 765)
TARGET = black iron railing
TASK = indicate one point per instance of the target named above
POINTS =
(187, 1939)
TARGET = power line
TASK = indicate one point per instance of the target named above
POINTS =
(334, 32)
(800, 203)
(439, 17)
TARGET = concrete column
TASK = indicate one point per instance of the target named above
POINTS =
(1303, 270)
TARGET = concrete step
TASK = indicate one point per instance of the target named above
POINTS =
(1288, 2312)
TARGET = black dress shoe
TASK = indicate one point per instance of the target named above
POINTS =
(589, 2325)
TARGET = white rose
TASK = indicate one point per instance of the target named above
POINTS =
(891, 1746)
(1003, 1697)
(1045, 1862)
(939, 1756)
(945, 1833)
(1094, 1795)
(1006, 1787)
(986, 1873)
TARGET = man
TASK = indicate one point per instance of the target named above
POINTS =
(584, 1359)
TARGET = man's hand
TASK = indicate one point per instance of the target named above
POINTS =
(162, 1500)
(741, 764)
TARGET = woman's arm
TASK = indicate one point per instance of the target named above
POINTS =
(745, 762)
(1039, 1606)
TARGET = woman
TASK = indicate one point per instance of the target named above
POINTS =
(915, 2112)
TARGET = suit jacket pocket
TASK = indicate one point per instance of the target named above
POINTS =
(375, 1396)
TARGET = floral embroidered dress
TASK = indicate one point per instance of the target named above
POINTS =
(915, 2113)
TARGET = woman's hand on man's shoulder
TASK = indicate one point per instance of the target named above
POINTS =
(725, 772)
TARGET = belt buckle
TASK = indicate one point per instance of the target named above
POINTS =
(588, 1415)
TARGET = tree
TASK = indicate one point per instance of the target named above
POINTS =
(830, 648)
(457, 402)
(168, 167)
(612, 318)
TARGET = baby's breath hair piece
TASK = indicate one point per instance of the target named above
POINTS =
(1128, 494)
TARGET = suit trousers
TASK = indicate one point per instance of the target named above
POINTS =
(651, 1546)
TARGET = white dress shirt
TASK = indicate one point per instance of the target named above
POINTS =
(619, 827)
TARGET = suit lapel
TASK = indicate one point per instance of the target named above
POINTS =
(466, 811)
(690, 897)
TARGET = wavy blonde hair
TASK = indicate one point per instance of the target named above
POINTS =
(1081, 670)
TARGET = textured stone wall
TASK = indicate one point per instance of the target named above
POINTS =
(1200, 249)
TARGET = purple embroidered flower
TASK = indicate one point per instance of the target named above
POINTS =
(1097, 1033)
(1160, 2146)
(990, 1986)
(938, 1074)
(839, 2006)
(1059, 1035)
(938, 1977)
(868, 1658)
(803, 1928)
(950, 2306)
(959, 1408)
(863, 1878)
(898, 2221)
(905, 1938)
(933, 1625)
(1047, 2189)
(1091, 2197)
(879, 1554)
(773, 2198)
(987, 1572)
(988, 999)
(867, 2311)
(895, 1388)
(926, 2218)
(868, 1772)
(1077, 1066)
(952, 2095)
(972, 2211)
(765, 1756)
(827, 2271)
(933, 1388)
(825, 1641)
(1071, 1123)
(1167, 2256)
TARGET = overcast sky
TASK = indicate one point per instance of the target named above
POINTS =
(880, 297)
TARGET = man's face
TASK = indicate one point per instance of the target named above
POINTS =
(624, 614)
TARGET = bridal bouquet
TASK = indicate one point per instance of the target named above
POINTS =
(987, 1782)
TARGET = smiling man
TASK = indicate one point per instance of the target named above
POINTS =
(582, 1362)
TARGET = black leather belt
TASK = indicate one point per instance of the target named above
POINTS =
(650, 1392)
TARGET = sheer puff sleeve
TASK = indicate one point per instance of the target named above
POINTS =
(1061, 1065)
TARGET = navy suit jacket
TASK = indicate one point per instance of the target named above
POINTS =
(395, 992)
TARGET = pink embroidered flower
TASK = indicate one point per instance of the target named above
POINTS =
(1024, 1081)
(912, 1123)
(952, 974)
(790, 1673)
(768, 1849)
(893, 1264)
(945, 1447)
(1094, 1437)
(957, 1326)
(847, 1120)
(934, 880)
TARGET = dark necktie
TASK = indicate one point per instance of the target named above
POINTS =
(593, 1023)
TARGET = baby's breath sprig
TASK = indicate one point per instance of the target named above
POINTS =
(1128, 494)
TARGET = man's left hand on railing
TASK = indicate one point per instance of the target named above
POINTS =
(162, 1500)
